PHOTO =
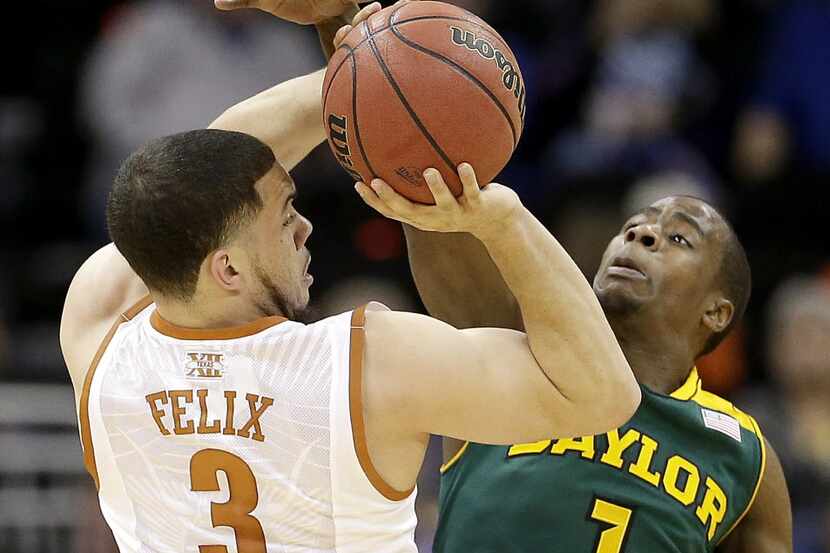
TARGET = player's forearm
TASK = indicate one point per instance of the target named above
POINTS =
(287, 117)
(458, 282)
(566, 327)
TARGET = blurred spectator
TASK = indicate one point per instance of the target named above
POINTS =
(648, 70)
(618, 18)
(795, 413)
(21, 124)
(788, 119)
(162, 67)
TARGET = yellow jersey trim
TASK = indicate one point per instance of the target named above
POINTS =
(448, 465)
(757, 484)
(689, 388)
(710, 400)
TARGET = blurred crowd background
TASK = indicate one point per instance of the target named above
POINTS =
(628, 101)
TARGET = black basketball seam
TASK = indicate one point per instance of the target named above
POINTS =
(362, 42)
(336, 71)
(463, 72)
(354, 117)
(408, 107)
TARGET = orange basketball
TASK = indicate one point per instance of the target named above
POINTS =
(423, 84)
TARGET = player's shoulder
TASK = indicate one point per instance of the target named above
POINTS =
(399, 338)
(719, 413)
(103, 288)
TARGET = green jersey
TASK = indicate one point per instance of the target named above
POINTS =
(676, 478)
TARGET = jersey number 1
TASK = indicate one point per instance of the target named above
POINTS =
(243, 498)
(616, 519)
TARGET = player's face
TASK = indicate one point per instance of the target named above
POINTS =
(665, 257)
(279, 257)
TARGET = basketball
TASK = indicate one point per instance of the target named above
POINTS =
(419, 85)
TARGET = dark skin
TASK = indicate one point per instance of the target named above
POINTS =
(658, 285)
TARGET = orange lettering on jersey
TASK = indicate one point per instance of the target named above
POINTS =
(179, 410)
(230, 399)
(255, 414)
(216, 425)
(155, 412)
(617, 446)
(641, 468)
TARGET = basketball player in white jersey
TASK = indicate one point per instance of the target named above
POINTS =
(212, 422)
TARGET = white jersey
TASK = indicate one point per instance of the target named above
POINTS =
(247, 440)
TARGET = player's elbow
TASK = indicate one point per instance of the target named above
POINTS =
(612, 405)
(604, 393)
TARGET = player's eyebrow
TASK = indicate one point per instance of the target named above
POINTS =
(650, 210)
(291, 195)
(690, 220)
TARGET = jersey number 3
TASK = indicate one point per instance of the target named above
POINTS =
(616, 521)
(236, 512)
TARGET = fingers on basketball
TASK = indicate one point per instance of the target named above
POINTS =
(399, 205)
(341, 34)
(372, 199)
(440, 190)
(365, 12)
(469, 182)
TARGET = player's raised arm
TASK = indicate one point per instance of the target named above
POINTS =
(458, 281)
(588, 385)
(286, 118)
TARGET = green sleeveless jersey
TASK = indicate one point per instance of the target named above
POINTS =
(676, 478)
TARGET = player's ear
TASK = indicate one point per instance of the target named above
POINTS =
(222, 271)
(719, 314)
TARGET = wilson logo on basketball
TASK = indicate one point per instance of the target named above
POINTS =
(338, 134)
(511, 79)
(204, 365)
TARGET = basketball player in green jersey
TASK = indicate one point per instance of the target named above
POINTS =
(688, 473)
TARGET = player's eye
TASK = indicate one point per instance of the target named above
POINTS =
(290, 219)
(680, 239)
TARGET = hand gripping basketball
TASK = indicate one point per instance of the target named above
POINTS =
(422, 84)
(304, 12)
(478, 211)
(362, 16)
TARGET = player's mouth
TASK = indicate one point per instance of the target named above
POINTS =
(624, 267)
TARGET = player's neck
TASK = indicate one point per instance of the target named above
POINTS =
(214, 314)
(660, 361)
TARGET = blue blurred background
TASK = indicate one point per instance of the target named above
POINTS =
(628, 101)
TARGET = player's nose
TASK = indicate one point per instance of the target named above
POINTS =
(644, 234)
(304, 230)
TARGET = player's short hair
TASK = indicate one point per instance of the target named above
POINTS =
(180, 197)
(735, 279)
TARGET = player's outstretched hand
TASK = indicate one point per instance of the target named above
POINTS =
(304, 12)
(477, 211)
(361, 16)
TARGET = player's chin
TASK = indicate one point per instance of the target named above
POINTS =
(618, 295)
